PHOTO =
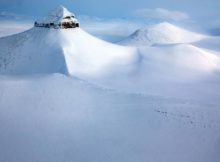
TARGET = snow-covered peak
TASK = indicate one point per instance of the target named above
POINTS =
(56, 15)
(162, 33)
(62, 12)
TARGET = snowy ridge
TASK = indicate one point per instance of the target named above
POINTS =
(71, 51)
(162, 33)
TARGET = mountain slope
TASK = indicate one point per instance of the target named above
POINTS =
(42, 50)
(162, 33)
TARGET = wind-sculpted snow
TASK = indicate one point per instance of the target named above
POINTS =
(58, 118)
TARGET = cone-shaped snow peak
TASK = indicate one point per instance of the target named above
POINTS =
(61, 11)
(58, 18)
(56, 15)
(162, 33)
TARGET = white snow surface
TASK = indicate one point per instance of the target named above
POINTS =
(58, 118)
(68, 96)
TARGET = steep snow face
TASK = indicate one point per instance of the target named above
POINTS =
(71, 51)
(56, 16)
(34, 51)
(163, 33)
(87, 55)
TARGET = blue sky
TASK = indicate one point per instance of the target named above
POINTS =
(198, 14)
(199, 10)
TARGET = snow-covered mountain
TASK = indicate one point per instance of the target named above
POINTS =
(68, 51)
(173, 52)
(155, 99)
(162, 33)
(77, 53)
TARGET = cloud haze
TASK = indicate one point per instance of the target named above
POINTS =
(162, 13)
(109, 29)
(13, 27)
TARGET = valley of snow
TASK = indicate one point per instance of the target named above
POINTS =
(66, 95)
